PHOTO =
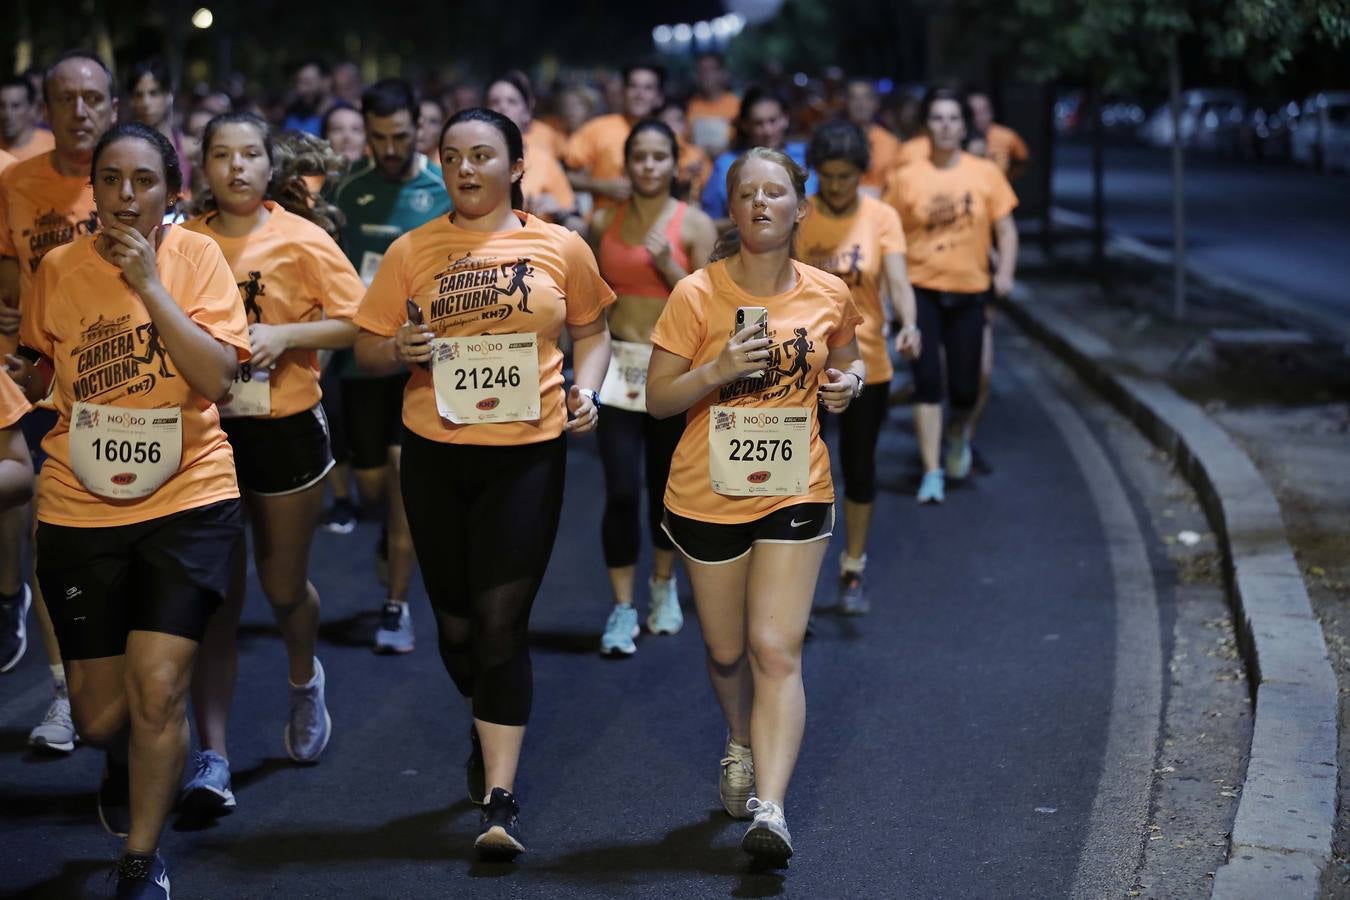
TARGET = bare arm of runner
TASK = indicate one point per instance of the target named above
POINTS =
(16, 469)
(270, 341)
(590, 361)
(673, 387)
(901, 295)
(9, 295)
(617, 189)
(1005, 241)
(207, 364)
(845, 375)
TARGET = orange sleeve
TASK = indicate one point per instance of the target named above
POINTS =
(849, 317)
(580, 149)
(336, 283)
(587, 294)
(384, 308)
(6, 239)
(1017, 148)
(215, 304)
(33, 331)
(13, 405)
(681, 330)
(1002, 199)
(556, 183)
(890, 234)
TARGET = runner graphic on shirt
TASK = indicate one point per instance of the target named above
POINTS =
(252, 290)
(153, 348)
(519, 272)
(797, 349)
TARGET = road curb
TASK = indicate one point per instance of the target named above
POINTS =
(1281, 840)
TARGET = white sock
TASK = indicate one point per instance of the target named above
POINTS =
(58, 675)
(848, 564)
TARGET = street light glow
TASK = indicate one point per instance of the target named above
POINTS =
(202, 18)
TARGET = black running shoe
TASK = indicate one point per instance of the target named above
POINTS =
(114, 798)
(475, 772)
(141, 877)
(499, 829)
(14, 627)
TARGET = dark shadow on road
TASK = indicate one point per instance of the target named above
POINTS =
(15, 740)
(357, 630)
(19, 806)
(565, 642)
(76, 880)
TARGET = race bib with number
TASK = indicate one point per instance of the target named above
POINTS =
(486, 378)
(625, 385)
(370, 264)
(250, 393)
(758, 452)
(122, 453)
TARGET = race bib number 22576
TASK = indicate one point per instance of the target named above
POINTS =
(754, 451)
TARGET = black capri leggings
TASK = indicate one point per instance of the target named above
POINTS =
(627, 440)
(954, 322)
(483, 520)
(859, 428)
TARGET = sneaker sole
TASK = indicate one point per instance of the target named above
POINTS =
(667, 630)
(207, 802)
(389, 650)
(621, 651)
(338, 529)
(62, 747)
(327, 733)
(767, 847)
(495, 845)
(23, 632)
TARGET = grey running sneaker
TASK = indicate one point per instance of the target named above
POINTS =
(395, 634)
(114, 798)
(665, 617)
(958, 457)
(499, 837)
(56, 731)
(310, 726)
(767, 838)
(738, 779)
(852, 600)
(620, 629)
(14, 628)
(207, 792)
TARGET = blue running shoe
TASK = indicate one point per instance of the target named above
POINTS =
(207, 793)
(395, 634)
(620, 629)
(665, 616)
(933, 487)
(310, 726)
(141, 877)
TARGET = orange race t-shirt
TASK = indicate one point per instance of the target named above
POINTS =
(289, 271)
(695, 167)
(541, 135)
(948, 216)
(543, 169)
(530, 280)
(13, 405)
(805, 323)
(852, 247)
(41, 142)
(40, 209)
(597, 148)
(712, 122)
(1005, 147)
(884, 150)
(85, 318)
(6, 160)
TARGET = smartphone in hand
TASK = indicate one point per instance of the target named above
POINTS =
(415, 316)
(752, 315)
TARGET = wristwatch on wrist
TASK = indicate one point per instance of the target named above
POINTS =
(594, 395)
(859, 389)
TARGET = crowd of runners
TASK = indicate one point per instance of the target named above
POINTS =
(214, 316)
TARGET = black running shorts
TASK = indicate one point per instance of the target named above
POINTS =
(280, 456)
(167, 574)
(715, 542)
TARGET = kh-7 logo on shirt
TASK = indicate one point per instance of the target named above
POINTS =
(777, 381)
(52, 229)
(112, 358)
(474, 288)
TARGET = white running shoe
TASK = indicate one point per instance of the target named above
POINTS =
(56, 731)
(767, 839)
(737, 783)
(665, 616)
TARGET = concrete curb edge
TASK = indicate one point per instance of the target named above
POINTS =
(1281, 839)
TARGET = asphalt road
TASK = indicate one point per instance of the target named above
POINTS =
(961, 739)
(1274, 228)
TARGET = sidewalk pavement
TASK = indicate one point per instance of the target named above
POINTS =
(1283, 835)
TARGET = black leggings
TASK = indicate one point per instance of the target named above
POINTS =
(483, 520)
(859, 428)
(626, 439)
(954, 323)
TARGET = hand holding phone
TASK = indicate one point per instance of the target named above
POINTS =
(417, 339)
(746, 354)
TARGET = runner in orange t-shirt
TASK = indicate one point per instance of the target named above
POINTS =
(695, 166)
(486, 412)
(19, 132)
(712, 110)
(644, 247)
(299, 294)
(139, 519)
(16, 467)
(595, 152)
(883, 147)
(46, 201)
(949, 206)
(750, 500)
(859, 238)
(1003, 146)
(548, 193)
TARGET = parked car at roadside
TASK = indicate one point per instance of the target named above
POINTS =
(1210, 119)
(1321, 140)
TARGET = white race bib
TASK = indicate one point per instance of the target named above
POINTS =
(756, 451)
(625, 385)
(370, 264)
(250, 393)
(122, 453)
(486, 378)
